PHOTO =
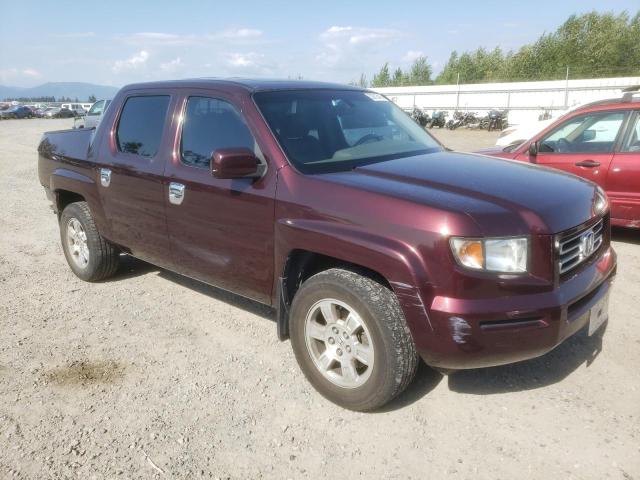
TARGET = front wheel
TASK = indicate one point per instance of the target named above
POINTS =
(90, 256)
(351, 340)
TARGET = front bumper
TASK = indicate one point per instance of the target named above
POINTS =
(474, 333)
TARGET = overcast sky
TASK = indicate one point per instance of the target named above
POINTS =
(116, 42)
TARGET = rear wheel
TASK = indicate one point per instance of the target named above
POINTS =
(90, 256)
(351, 339)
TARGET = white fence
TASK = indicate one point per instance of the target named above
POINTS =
(524, 100)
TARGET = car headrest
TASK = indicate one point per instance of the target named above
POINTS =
(294, 125)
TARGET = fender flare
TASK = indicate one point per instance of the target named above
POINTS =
(73, 181)
(398, 263)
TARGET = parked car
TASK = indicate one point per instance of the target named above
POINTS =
(40, 112)
(375, 245)
(66, 113)
(93, 116)
(57, 112)
(16, 112)
(599, 141)
(517, 134)
(76, 108)
(51, 112)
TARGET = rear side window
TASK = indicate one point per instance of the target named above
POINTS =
(140, 127)
(210, 124)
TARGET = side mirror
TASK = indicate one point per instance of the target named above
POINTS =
(533, 150)
(234, 163)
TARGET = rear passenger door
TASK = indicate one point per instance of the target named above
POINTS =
(222, 230)
(582, 145)
(132, 162)
(623, 182)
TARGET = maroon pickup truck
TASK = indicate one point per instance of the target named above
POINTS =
(375, 245)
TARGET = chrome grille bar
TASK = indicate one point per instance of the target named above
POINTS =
(576, 248)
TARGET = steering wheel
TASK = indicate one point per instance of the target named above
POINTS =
(563, 146)
(369, 137)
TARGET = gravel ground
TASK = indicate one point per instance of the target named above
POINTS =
(151, 375)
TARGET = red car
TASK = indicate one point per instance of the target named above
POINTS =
(600, 142)
(373, 243)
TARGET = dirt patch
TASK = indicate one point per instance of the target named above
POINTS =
(82, 373)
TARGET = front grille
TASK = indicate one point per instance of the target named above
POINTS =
(578, 247)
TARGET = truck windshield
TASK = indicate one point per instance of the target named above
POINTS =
(336, 130)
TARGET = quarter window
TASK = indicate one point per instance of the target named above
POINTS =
(141, 122)
(210, 124)
(591, 133)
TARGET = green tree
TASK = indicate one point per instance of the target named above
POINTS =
(92, 99)
(399, 78)
(382, 78)
(590, 45)
(450, 71)
(420, 73)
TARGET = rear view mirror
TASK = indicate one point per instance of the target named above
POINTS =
(234, 163)
(533, 150)
(588, 135)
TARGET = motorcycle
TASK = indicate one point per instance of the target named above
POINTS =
(420, 117)
(471, 120)
(456, 121)
(438, 119)
(545, 115)
(497, 120)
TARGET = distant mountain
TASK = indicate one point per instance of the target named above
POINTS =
(73, 90)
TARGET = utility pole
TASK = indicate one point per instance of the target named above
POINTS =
(458, 94)
(566, 89)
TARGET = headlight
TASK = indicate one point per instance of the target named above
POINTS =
(506, 255)
(600, 202)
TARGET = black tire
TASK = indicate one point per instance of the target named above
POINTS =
(395, 358)
(103, 256)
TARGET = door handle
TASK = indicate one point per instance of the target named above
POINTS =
(176, 193)
(588, 163)
(105, 177)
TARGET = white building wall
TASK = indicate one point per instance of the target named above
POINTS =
(524, 100)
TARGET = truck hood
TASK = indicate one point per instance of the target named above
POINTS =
(495, 152)
(504, 197)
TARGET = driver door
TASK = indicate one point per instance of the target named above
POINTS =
(583, 145)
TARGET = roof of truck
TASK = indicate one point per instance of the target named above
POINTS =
(249, 84)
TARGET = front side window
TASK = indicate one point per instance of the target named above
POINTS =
(337, 130)
(141, 122)
(210, 124)
(632, 143)
(590, 133)
(96, 108)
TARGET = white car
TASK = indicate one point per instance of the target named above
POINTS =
(517, 134)
(92, 118)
